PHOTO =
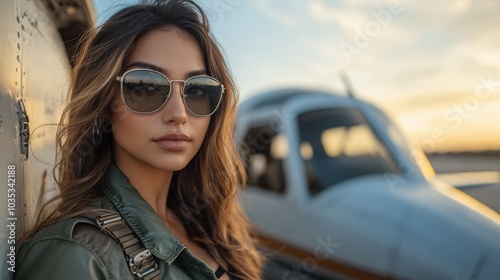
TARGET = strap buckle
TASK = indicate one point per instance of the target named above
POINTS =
(142, 264)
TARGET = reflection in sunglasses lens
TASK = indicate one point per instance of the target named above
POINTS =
(202, 95)
(145, 91)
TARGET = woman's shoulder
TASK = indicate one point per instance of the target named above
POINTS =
(73, 247)
(80, 231)
(63, 229)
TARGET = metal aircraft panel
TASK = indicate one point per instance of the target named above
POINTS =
(38, 37)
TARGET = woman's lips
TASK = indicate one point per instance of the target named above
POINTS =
(173, 145)
(173, 141)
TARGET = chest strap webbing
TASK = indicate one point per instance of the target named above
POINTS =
(141, 262)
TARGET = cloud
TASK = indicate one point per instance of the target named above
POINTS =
(325, 14)
(279, 12)
(426, 60)
(460, 6)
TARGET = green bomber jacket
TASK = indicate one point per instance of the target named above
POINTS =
(76, 249)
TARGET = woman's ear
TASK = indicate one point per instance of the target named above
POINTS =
(105, 115)
(105, 121)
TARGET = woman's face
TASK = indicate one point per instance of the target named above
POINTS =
(170, 137)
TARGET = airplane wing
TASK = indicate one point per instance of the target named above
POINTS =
(483, 186)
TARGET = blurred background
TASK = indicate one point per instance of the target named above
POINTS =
(434, 67)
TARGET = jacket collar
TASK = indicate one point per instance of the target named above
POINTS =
(141, 218)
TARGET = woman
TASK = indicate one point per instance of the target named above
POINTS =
(147, 134)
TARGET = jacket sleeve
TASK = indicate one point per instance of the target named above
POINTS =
(58, 259)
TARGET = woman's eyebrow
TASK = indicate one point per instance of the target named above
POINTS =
(161, 70)
(146, 65)
(196, 73)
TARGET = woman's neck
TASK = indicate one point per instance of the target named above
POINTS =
(152, 184)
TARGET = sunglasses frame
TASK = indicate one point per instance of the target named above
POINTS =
(120, 79)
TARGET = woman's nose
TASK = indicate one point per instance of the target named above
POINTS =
(175, 110)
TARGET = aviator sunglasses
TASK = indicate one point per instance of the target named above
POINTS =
(146, 91)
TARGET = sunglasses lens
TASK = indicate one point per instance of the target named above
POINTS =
(202, 95)
(144, 91)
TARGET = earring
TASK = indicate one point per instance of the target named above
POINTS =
(96, 132)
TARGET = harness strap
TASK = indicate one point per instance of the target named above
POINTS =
(219, 272)
(141, 262)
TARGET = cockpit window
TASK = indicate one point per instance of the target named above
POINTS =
(337, 145)
(265, 150)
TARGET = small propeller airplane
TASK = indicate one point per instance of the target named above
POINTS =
(336, 192)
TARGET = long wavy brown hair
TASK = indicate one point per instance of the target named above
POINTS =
(207, 204)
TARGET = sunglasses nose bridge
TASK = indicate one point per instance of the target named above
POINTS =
(181, 85)
(180, 88)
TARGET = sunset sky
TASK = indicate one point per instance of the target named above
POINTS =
(433, 66)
